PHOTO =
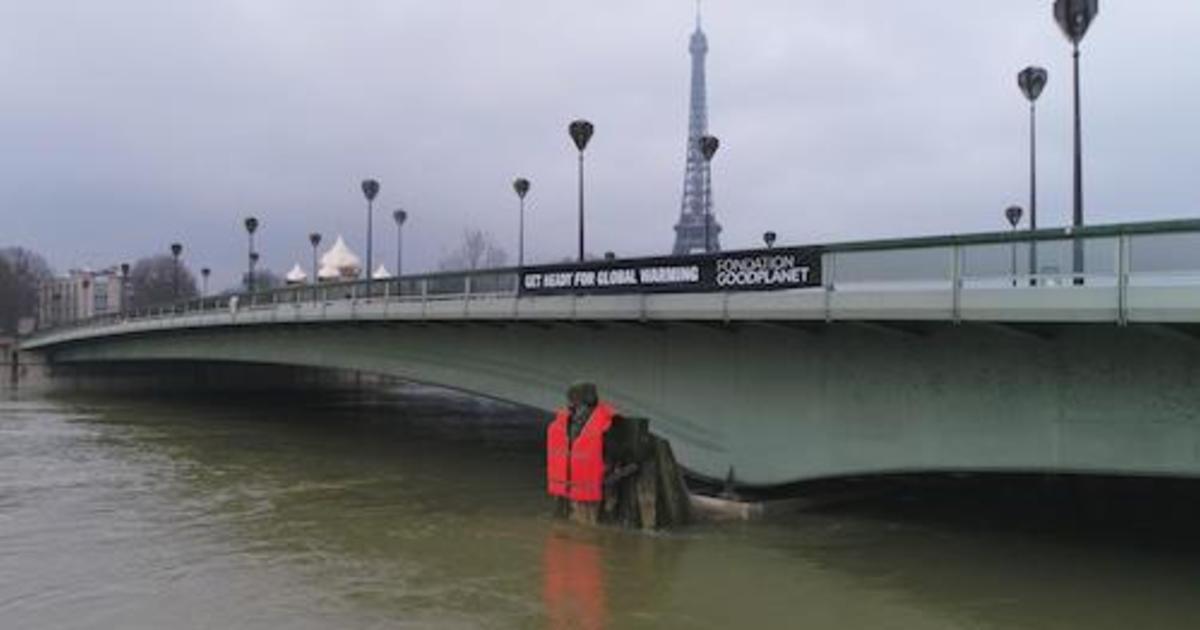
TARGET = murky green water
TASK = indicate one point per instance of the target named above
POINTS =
(425, 513)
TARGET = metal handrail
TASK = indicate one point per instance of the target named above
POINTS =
(353, 290)
(1022, 236)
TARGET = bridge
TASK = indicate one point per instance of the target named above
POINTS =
(979, 352)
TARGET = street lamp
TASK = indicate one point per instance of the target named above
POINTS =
(1074, 17)
(769, 239)
(176, 250)
(370, 189)
(204, 273)
(708, 148)
(581, 132)
(400, 216)
(1032, 81)
(521, 187)
(124, 288)
(1013, 214)
(253, 265)
(251, 257)
(314, 239)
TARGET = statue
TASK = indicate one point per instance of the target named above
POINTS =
(641, 486)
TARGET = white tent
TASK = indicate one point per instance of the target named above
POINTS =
(339, 263)
(381, 273)
(296, 275)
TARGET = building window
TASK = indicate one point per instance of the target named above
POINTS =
(100, 296)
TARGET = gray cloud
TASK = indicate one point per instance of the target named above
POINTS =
(132, 123)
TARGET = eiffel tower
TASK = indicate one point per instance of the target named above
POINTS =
(697, 207)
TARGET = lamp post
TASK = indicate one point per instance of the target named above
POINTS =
(251, 257)
(400, 216)
(204, 273)
(581, 132)
(124, 288)
(521, 187)
(1013, 214)
(769, 239)
(1074, 17)
(708, 148)
(314, 239)
(253, 270)
(176, 250)
(1032, 81)
(370, 188)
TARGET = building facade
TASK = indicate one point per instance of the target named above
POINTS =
(79, 295)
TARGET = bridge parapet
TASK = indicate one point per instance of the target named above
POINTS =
(1143, 272)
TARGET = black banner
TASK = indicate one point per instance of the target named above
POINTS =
(762, 270)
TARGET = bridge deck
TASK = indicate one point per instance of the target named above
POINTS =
(1063, 304)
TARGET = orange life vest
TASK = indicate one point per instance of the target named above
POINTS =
(557, 453)
(575, 470)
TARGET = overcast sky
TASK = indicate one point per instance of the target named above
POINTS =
(128, 124)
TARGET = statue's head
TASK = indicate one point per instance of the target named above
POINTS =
(582, 394)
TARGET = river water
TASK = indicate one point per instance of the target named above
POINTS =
(413, 510)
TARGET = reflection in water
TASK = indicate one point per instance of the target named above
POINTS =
(574, 589)
(420, 511)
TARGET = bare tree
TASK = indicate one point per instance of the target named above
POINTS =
(19, 285)
(477, 250)
(264, 280)
(8, 303)
(152, 282)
